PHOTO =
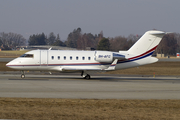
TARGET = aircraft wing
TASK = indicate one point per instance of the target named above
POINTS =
(79, 69)
(111, 67)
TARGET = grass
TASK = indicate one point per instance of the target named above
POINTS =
(11, 54)
(4, 68)
(78, 109)
(158, 68)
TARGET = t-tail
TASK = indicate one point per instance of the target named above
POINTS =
(141, 52)
(147, 43)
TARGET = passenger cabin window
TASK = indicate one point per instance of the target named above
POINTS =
(77, 58)
(27, 55)
(89, 58)
(70, 57)
(52, 57)
(83, 58)
(58, 57)
(64, 57)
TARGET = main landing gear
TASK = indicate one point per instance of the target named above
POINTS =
(22, 74)
(85, 75)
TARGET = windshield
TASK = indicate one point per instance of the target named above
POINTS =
(27, 55)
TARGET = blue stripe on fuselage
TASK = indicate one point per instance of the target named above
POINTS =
(136, 58)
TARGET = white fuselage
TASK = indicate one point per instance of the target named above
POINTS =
(56, 60)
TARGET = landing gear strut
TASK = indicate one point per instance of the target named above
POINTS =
(22, 74)
(85, 75)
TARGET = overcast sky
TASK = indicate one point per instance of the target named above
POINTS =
(113, 17)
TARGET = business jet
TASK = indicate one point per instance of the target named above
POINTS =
(87, 61)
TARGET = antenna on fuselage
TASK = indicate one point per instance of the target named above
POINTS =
(50, 48)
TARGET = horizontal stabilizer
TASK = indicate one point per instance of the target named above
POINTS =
(157, 33)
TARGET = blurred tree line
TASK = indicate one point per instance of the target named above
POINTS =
(42, 39)
(9, 41)
(77, 39)
(170, 44)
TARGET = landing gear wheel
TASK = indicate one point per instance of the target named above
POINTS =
(87, 77)
(22, 76)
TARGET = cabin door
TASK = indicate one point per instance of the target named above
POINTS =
(43, 58)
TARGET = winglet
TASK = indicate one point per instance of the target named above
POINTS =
(113, 65)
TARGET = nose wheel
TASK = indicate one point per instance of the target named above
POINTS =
(22, 74)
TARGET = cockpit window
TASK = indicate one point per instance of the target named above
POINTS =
(27, 55)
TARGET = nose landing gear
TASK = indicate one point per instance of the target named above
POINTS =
(22, 74)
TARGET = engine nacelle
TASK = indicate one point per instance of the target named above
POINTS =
(103, 56)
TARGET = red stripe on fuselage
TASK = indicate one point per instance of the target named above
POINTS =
(144, 53)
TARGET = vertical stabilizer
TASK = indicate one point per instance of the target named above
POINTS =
(148, 42)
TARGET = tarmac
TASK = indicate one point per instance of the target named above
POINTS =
(72, 86)
(102, 86)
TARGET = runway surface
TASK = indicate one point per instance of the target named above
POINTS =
(99, 87)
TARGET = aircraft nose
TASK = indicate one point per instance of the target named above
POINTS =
(8, 64)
